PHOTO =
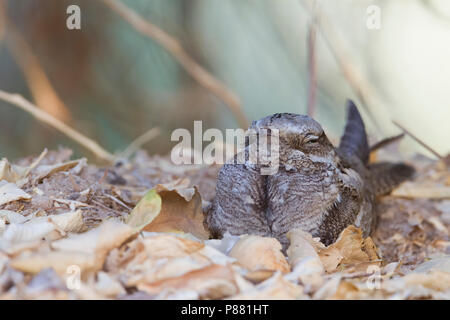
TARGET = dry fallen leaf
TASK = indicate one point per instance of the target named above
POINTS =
(435, 284)
(346, 290)
(21, 236)
(43, 171)
(302, 245)
(331, 258)
(161, 256)
(108, 286)
(417, 190)
(349, 250)
(145, 211)
(170, 208)
(170, 246)
(27, 232)
(275, 288)
(305, 262)
(87, 250)
(9, 192)
(12, 217)
(259, 275)
(180, 186)
(259, 253)
(211, 282)
(11, 173)
(18, 174)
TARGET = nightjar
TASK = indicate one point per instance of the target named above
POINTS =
(317, 188)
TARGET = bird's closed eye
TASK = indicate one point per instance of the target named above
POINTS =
(311, 139)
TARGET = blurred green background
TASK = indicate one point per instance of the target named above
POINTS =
(113, 83)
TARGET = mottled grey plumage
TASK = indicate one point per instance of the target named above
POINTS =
(318, 188)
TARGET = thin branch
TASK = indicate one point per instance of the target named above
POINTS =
(3, 5)
(423, 144)
(362, 87)
(40, 86)
(139, 142)
(20, 102)
(312, 64)
(203, 77)
(385, 142)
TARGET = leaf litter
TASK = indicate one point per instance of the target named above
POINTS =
(71, 230)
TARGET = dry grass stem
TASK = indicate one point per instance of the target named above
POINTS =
(19, 101)
(139, 142)
(423, 144)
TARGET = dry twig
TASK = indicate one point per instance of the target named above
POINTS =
(423, 144)
(40, 86)
(362, 87)
(18, 101)
(139, 142)
(312, 64)
(169, 43)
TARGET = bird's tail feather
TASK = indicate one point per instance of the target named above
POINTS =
(354, 139)
(386, 176)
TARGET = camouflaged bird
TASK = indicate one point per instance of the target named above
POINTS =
(318, 188)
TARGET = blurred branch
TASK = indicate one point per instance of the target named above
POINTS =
(42, 90)
(312, 66)
(2, 19)
(383, 143)
(431, 7)
(139, 142)
(423, 144)
(362, 87)
(172, 45)
(20, 102)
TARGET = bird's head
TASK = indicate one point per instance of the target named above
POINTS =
(300, 137)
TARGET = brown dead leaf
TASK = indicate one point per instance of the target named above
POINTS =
(438, 225)
(275, 288)
(349, 250)
(58, 260)
(435, 284)
(12, 217)
(259, 275)
(259, 253)
(43, 171)
(212, 282)
(9, 192)
(346, 290)
(304, 260)
(177, 214)
(370, 248)
(170, 208)
(422, 190)
(11, 173)
(145, 211)
(169, 246)
(22, 236)
(302, 246)
(18, 174)
(180, 186)
(331, 258)
(108, 286)
(142, 254)
(159, 257)
(71, 221)
(87, 250)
